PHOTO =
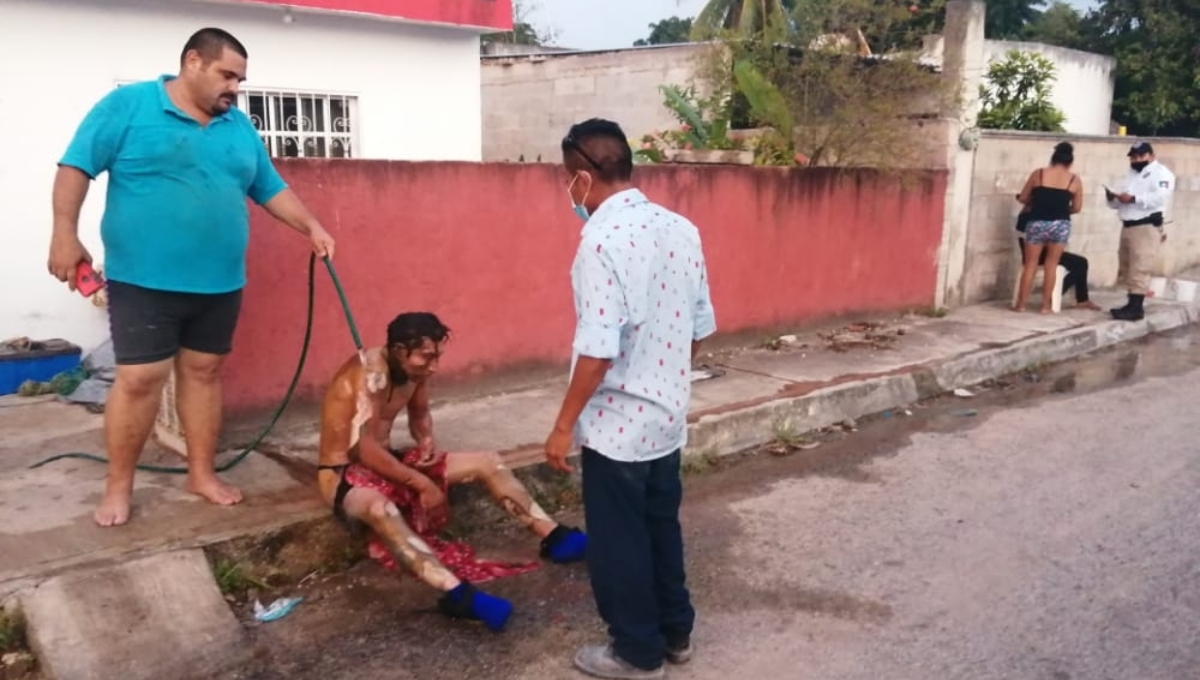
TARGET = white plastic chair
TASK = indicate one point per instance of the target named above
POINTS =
(1056, 296)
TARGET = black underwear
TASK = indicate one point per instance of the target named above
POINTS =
(343, 488)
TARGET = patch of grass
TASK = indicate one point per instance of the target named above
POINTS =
(234, 578)
(285, 558)
(12, 631)
(349, 556)
(563, 492)
(701, 463)
(933, 312)
(786, 440)
(785, 434)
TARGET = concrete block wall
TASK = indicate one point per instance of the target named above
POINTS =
(530, 101)
(1003, 160)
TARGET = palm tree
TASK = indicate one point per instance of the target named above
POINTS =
(744, 17)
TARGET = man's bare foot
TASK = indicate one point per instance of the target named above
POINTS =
(213, 490)
(1047, 310)
(1089, 305)
(1018, 308)
(113, 510)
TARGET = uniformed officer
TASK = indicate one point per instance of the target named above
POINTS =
(1144, 197)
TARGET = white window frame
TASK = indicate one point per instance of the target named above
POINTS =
(272, 129)
(275, 128)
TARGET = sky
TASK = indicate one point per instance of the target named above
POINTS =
(603, 24)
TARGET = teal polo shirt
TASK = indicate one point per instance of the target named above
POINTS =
(175, 217)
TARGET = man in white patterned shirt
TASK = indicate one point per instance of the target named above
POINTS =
(642, 307)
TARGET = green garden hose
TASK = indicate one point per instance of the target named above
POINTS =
(287, 398)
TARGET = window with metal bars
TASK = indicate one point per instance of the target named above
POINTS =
(303, 124)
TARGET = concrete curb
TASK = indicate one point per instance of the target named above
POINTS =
(158, 617)
(741, 429)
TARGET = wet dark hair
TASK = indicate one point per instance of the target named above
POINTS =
(1064, 154)
(210, 43)
(599, 146)
(411, 329)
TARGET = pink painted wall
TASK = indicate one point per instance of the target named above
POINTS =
(489, 14)
(488, 248)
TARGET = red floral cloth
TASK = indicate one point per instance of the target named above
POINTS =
(457, 556)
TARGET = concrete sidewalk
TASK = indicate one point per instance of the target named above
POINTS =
(817, 381)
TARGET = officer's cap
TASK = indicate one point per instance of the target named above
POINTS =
(1140, 148)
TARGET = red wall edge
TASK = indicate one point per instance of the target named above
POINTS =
(488, 248)
(494, 14)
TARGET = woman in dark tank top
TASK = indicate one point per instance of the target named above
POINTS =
(1051, 195)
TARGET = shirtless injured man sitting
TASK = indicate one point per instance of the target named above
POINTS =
(400, 494)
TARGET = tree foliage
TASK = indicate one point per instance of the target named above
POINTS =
(523, 33)
(1157, 85)
(817, 95)
(743, 17)
(1007, 19)
(704, 125)
(1016, 94)
(886, 25)
(1059, 24)
(1158, 62)
(668, 31)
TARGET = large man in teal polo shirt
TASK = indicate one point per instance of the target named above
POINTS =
(181, 161)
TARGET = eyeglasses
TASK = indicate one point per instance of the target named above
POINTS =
(570, 142)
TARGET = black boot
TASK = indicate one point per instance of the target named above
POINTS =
(1121, 310)
(1134, 311)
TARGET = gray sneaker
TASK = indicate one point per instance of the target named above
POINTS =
(599, 661)
(680, 653)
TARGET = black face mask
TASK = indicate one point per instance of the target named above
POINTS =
(1139, 166)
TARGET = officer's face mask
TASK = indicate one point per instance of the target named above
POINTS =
(1139, 166)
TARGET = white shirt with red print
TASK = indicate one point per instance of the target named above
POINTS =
(641, 299)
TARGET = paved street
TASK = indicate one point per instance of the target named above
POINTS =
(1052, 535)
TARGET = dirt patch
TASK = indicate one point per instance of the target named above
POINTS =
(267, 565)
(862, 335)
(16, 661)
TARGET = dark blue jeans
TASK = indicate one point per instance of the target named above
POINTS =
(635, 554)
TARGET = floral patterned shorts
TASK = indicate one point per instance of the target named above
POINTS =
(1043, 232)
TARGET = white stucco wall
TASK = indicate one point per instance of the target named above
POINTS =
(417, 86)
(1083, 87)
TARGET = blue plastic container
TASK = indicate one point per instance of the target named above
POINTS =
(41, 363)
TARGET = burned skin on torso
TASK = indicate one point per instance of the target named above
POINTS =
(362, 393)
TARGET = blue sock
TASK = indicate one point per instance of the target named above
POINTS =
(491, 610)
(570, 546)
